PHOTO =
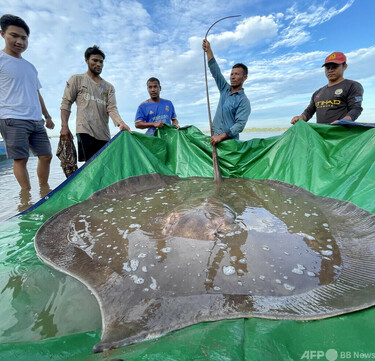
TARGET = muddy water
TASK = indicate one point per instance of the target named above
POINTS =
(243, 238)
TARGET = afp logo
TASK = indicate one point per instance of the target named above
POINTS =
(330, 355)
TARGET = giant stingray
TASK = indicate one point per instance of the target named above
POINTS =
(161, 253)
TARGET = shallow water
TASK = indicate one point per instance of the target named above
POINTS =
(13, 200)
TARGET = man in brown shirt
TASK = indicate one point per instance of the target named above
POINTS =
(96, 102)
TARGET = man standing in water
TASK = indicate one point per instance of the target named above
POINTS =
(155, 112)
(96, 102)
(233, 109)
(339, 99)
(21, 105)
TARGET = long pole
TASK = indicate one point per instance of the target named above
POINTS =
(217, 173)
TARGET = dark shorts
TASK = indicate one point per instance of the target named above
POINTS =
(22, 135)
(88, 146)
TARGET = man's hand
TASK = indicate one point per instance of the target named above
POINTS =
(206, 46)
(218, 138)
(298, 117)
(159, 124)
(175, 123)
(347, 117)
(65, 133)
(49, 123)
(124, 126)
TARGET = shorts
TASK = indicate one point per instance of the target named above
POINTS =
(22, 135)
(88, 146)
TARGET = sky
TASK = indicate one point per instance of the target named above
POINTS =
(283, 43)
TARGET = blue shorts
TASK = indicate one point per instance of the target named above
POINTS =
(21, 135)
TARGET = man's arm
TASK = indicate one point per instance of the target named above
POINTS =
(140, 124)
(113, 112)
(214, 67)
(69, 97)
(175, 123)
(355, 97)
(65, 131)
(49, 123)
(307, 113)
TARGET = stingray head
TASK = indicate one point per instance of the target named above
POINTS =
(199, 221)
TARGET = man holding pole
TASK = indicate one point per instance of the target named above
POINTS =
(233, 109)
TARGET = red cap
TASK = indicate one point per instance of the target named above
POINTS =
(336, 57)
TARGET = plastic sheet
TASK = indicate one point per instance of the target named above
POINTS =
(328, 161)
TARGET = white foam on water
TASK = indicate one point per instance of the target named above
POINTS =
(229, 270)
(299, 269)
(288, 287)
(305, 235)
(326, 252)
(135, 225)
(153, 285)
(142, 255)
(137, 280)
(126, 267)
(166, 249)
(217, 288)
(144, 269)
(134, 263)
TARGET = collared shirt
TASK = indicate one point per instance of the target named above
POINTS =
(233, 109)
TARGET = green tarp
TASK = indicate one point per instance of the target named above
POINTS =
(48, 316)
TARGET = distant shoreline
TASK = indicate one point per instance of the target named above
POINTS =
(246, 130)
(258, 130)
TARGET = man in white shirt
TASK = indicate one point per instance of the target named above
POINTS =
(21, 105)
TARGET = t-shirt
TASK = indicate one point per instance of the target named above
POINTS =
(19, 85)
(335, 102)
(233, 109)
(154, 112)
(96, 102)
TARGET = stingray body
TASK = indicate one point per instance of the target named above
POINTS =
(200, 219)
(159, 257)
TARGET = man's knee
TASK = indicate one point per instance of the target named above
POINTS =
(45, 158)
(20, 162)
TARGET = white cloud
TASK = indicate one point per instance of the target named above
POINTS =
(249, 31)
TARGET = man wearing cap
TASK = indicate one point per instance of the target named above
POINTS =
(339, 99)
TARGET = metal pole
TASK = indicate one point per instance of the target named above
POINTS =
(217, 173)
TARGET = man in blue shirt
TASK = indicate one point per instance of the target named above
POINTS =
(155, 112)
(233, 109)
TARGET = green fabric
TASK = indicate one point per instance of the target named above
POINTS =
(332, 161)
